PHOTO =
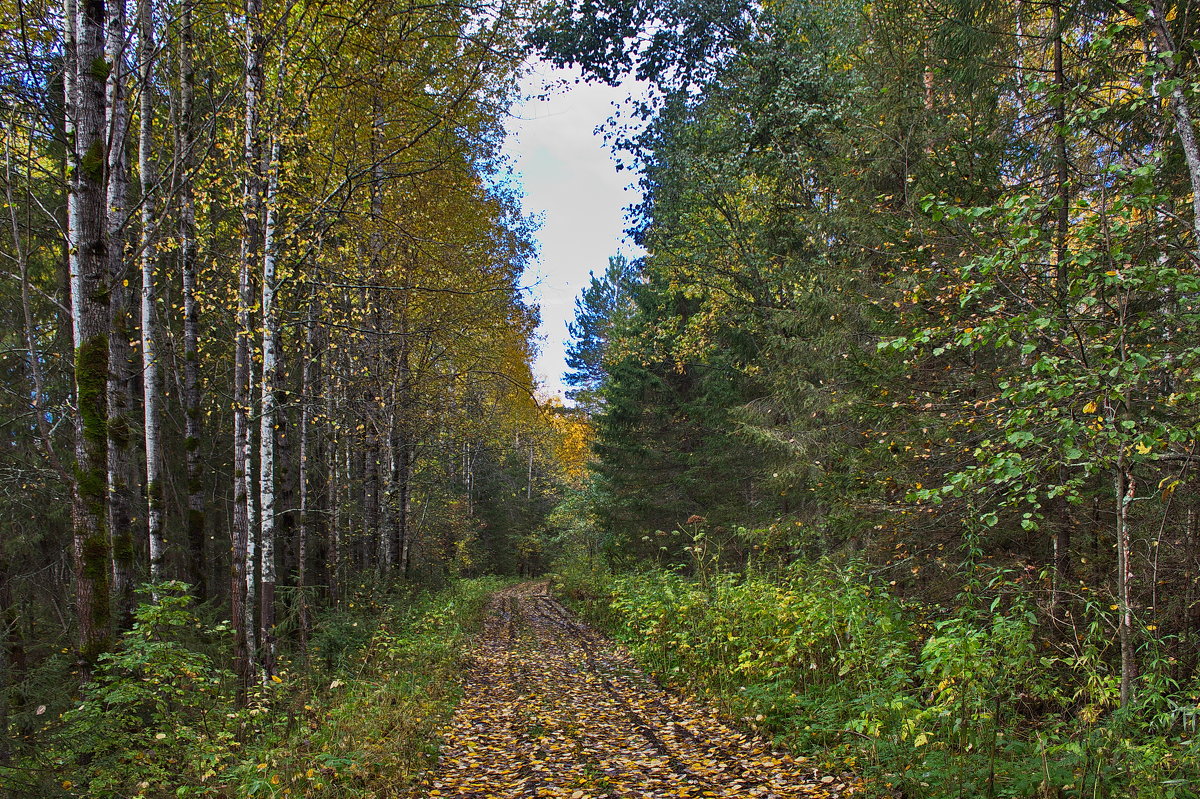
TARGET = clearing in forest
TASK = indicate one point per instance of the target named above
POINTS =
(551, 708)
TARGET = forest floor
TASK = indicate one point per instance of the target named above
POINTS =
(552, 708)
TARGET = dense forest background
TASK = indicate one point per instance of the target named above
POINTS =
(885, 444)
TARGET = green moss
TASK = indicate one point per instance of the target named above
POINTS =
(154, 495)
(92, 488)
(95, 558)
(100, 68)
(122, 545)
(91, 380)
(191, 444)
(92, 162)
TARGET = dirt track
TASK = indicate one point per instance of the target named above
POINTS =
(551, 708)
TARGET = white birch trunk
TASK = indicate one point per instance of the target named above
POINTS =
(252, 529)
(1125, 487)
(334, 497)
(266, 443)
(242, 589)
(377, 542)
(1163, 45)
(70, 100)
(149, 261)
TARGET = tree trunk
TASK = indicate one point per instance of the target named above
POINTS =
(356, 480)
(1162, 43)
(375, 496)
(285, 470)
(469, 465)
(404, 499)
(120, 368)
(149, 262)
(400, 449)
(1060, 514)
(241, 520)
(1124, 488)
(241, 591)
(308, 390)
(333, 553)
(1062, 188)
(405, 532)
(369, 544)
(195, 523)
(1187, 663)
(1060, 508)
(391, 547)
(267, 423)
(7, 621)
(88, 247)
(253, 525)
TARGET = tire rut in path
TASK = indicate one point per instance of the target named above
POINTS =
(550, 709)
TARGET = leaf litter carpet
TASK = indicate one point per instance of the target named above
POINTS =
(553, 709)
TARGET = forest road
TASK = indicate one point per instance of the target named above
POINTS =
(551, 708)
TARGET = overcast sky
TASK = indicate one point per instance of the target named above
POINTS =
(571, 181)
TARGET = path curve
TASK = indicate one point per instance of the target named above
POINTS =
(552, 709)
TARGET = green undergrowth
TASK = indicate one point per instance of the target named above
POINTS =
(360, 719)
(972, 701)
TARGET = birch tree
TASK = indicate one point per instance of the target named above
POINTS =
(151, 388)
(267, 415)
(241, 590)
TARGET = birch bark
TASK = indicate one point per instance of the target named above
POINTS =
(1162, 43)
(241, 589)
(149, 262)
(267, 424)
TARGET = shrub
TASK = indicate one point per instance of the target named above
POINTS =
(933, 702)
(160, 717)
